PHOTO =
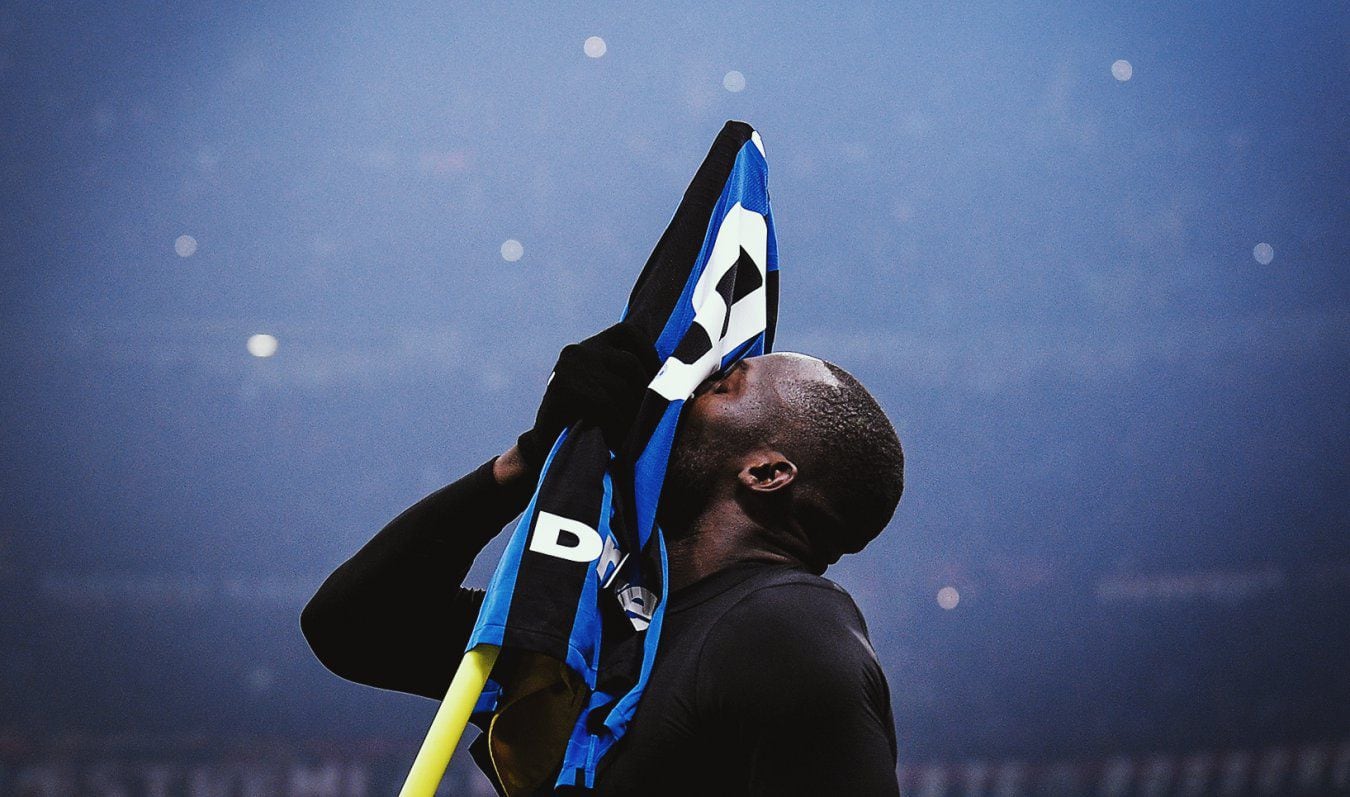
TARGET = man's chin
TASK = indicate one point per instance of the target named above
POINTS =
(681, 501)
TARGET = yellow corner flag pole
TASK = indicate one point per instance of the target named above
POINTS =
(451, 718)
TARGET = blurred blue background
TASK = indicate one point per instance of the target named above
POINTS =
(1090, 257)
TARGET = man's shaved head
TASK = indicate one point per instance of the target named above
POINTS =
(849, 466)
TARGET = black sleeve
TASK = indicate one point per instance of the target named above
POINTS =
(394, 615)
(789, 676)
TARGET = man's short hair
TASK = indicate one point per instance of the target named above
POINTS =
(851, 470)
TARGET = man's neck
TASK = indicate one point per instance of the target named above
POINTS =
(724, 536)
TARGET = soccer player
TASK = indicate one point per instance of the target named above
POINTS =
(765, 682)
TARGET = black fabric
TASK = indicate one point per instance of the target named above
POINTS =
(765, 683)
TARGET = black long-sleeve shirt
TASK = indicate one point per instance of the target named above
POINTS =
(765, 682)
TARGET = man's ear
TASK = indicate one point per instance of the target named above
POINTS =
(767, 472)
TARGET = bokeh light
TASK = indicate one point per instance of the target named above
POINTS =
(260, 679)
(262, 345)
(594, 47)
(948, 597)
(512, 250)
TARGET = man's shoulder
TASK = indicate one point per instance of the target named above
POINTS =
(789, 608)
(787, 631)
(790, 593)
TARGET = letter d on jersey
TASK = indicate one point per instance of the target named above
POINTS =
(554, 535)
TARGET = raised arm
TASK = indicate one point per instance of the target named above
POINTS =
(394, 615)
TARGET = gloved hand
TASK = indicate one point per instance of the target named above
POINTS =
(601, 380)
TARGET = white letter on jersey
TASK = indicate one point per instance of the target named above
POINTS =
(610, 562)
(548, 538)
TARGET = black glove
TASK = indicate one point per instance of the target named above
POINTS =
(600, 380)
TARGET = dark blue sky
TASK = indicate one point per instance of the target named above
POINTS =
(1046, 275)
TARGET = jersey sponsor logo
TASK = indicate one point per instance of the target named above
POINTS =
(639, 603)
